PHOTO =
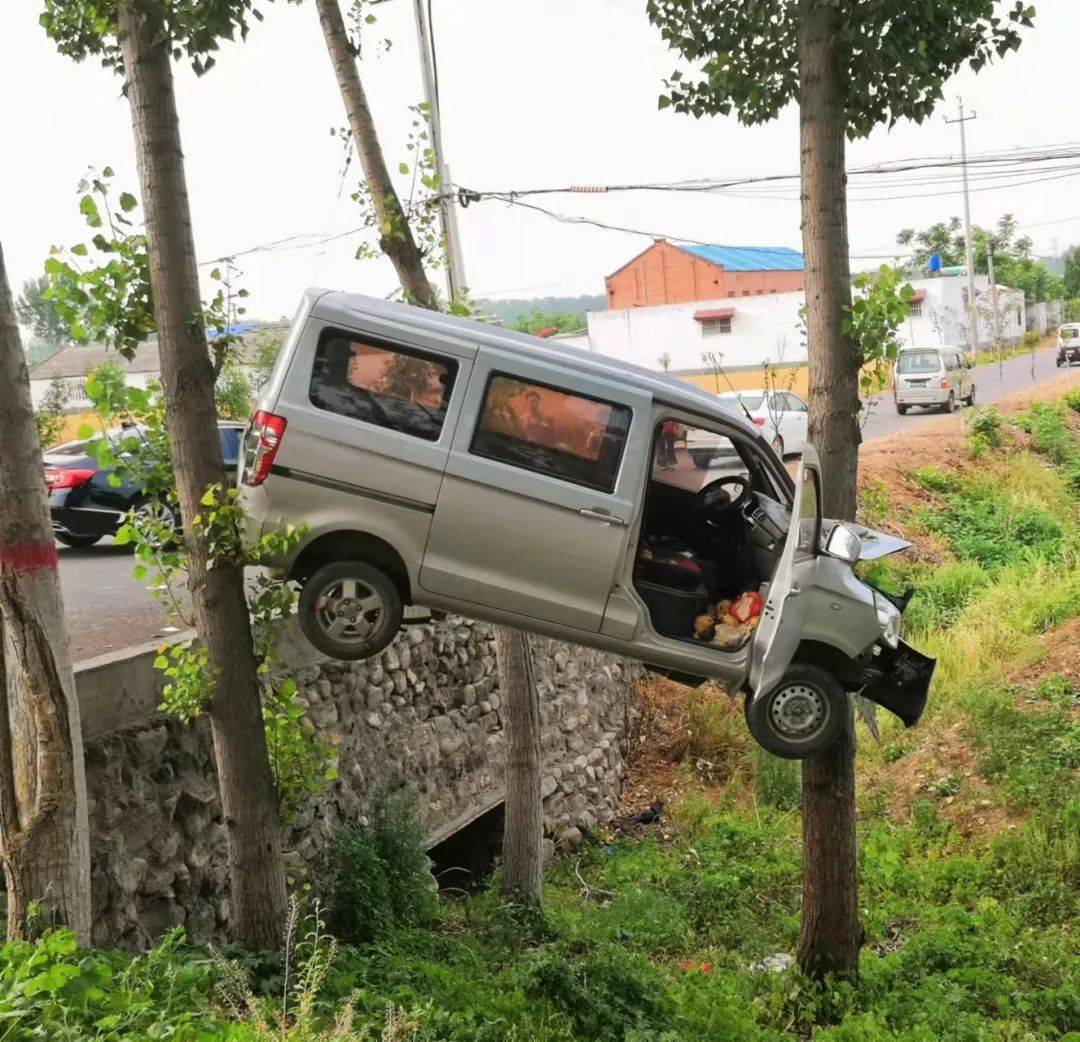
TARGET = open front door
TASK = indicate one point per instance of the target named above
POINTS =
(781, 627)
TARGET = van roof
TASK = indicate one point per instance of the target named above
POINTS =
(336, 306)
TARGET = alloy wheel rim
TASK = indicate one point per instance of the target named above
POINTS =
(798, 712)
(349, 611)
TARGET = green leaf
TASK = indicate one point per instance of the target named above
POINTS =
(128, 202)
(80, 250)
(403, 168)
(107, 172)
(84, 432)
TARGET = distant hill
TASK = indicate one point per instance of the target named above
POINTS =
(509, 311)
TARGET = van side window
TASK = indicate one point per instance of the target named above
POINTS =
(391, 387)
(553, 432)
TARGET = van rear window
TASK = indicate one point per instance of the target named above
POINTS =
(564, 435)
(402, 390)
(919, 362)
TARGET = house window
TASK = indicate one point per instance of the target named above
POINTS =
(914, 307)
(715, 326)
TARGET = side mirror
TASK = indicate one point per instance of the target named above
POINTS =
(844, 543)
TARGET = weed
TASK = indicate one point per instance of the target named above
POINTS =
(777, 782)
(986, 424)
(379, 876)
(875, 504)
(1072, 400)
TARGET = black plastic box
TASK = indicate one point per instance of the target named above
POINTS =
(673, 611)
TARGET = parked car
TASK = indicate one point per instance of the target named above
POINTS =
(447, 463)
(782, 416)
(932, 377)
(1068, 344)
(86, 506)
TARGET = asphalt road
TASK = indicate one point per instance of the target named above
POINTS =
(107, 609)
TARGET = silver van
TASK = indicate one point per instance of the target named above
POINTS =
(442, 462)
(935, 377)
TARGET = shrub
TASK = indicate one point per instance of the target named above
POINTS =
(1030, 340)
(379, 875)
(1072, 400)
(1049, 432)
(986, 424)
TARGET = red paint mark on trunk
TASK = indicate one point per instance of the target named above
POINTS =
(25, 557)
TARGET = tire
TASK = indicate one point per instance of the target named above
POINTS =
(776, 719)
(901, 409)
(701, 460)
(778, 445)
(950, 405)
(360, 632)
(160, 511)
(971, 396)
(76, 542)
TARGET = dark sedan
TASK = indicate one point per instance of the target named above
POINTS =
(86, 506)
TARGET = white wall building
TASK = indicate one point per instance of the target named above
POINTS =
(746, 331)
(938, 313)
(742, 331)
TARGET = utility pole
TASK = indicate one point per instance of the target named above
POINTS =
(455, 266)
(994, 299)
(968, 252)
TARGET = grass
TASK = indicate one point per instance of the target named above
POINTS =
(676, 938)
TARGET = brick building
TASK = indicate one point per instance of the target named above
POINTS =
(667, 273)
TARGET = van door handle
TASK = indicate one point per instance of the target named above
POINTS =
(795, 591)
(602, 515)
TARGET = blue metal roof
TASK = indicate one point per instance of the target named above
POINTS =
(748, 258)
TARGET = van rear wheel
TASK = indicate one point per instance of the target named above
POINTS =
(350, 610)
(801, 715)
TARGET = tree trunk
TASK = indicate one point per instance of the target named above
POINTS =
(395, 235)
(834, 357)
(248, 798)
(44, 836)
(829, 941)
(523, 834)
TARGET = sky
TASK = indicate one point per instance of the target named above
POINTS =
(533, 95)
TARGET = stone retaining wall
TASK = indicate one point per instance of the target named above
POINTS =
(425, 713)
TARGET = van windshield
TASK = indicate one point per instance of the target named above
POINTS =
(919, 362)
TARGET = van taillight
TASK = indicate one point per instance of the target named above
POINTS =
(759, 421)
(944, 383)
(56, 479)
(260, 446)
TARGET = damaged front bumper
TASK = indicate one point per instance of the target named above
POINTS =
(898, 679)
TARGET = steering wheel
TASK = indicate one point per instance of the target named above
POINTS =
(721, 498)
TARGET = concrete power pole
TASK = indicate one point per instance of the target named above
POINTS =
(455, 265)
(968, 252)
(994, 300)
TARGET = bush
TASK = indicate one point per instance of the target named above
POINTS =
(1030, 340)
(380, 876)
(1049, 432)
(1072, 400)
(986, 424)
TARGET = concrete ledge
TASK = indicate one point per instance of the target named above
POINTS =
(121, 689)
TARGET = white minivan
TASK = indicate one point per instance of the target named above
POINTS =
(447, 463)
(932, 377)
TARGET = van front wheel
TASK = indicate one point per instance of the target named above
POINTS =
(350, 610)
(801, 715)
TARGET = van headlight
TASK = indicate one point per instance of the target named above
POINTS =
(889, 618)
